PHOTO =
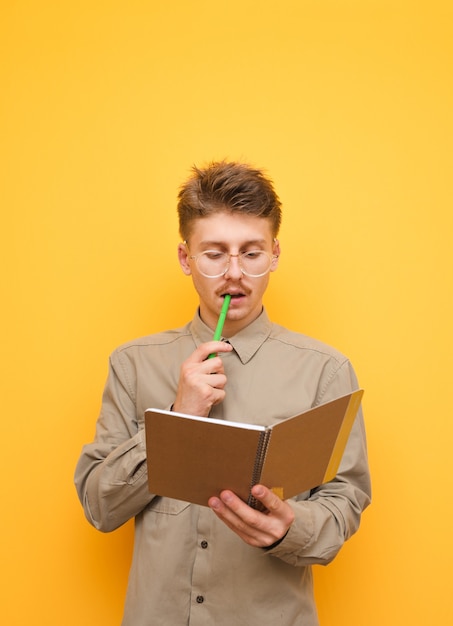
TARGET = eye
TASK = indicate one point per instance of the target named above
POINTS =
(214, 255)
(252, 254)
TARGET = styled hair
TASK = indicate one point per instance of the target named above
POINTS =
(227, 187)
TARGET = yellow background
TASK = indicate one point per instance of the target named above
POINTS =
(104, 107)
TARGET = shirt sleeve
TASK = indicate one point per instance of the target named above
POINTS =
(328, 515)
(111, 476)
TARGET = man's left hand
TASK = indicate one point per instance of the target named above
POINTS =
(258, 529)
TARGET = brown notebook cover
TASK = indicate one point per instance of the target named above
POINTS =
(193, 458)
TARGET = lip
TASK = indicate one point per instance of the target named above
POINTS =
(237, 301)
(235, 295)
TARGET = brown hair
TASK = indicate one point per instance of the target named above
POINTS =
(227, 186)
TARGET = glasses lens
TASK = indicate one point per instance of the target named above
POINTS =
(213, 263)
(255, 263)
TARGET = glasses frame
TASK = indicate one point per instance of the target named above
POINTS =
(271, 257)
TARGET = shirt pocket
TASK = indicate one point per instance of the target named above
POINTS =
(167, 506)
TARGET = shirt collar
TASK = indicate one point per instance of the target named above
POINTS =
(245, 343)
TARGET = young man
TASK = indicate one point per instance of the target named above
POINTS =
(225, 563)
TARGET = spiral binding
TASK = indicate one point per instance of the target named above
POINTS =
(261, 452)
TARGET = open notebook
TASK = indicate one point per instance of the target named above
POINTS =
(193, 458)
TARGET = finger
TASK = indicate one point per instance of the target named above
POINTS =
(250, 525)
(212, 366)
(239, 513)
(214, 347)
(268, 498)
(193, 367)
(276, 508)
(232, 518)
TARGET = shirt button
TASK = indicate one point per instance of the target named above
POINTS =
(204, 544)
(200, 599)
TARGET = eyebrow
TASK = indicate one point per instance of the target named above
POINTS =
(223, 244)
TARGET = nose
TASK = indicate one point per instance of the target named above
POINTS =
(234, 271)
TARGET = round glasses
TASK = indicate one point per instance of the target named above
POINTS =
(213, 263)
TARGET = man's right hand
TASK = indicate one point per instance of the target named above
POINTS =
(202, 380)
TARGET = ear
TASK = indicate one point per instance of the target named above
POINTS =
(276, 252)
(183, 257)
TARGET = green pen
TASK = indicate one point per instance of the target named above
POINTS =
(221, 322)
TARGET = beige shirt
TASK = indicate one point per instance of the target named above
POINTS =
(188, 568)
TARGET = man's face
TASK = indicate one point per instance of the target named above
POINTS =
(233, 234)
